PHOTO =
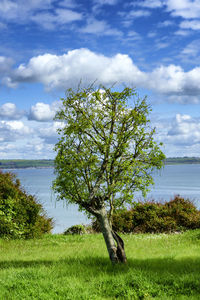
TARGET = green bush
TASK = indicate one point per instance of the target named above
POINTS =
(178, 214)
(21, 216)
(75, 229)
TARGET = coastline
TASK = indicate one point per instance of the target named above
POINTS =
(49, 163)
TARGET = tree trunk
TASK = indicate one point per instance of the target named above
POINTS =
(114, 243)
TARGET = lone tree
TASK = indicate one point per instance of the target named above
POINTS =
(106, 152)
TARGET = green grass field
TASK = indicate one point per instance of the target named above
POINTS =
(77, 267)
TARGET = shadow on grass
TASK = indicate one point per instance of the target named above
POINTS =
(157, 265)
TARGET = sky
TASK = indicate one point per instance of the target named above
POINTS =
(48, 46)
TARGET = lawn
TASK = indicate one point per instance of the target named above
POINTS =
(160, 266)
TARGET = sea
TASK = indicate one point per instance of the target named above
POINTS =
(183, 180)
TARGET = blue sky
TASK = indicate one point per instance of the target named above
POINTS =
(47, 46)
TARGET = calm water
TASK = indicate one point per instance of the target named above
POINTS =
(172, 180)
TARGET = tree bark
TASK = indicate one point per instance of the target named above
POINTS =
(114, 242)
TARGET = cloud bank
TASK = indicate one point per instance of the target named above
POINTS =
(67, 70)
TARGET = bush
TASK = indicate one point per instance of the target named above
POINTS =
(75, 229)
(178, 214)
(21, 216)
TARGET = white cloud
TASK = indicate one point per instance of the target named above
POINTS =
(100, 28)
(191, 50)
(162, 45)
(138, 13)
(5, 148)
(149, 3)
(166, 23)
(82, 64)
(173, 80)
(105, 2)
(60, 17)
(180, 134)
(183, 32)
(133, 35)
(45, 20)
(21, 10)
(50, 133)
(184, 130)
(152, 34)
(67, 3)
(5, 64)
(128, 17)
(183, 99)
(67, 70)
(43, 112)
(13, 130)
(10, 111)
(187, 9)
(194, 24)
(65, 16)
(98, 4)
(190, 54)
(27, 149)
(41, 12)
(6, 6)
(17, 126)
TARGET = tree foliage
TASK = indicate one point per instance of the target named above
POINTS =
(21, 216)
(106, 151)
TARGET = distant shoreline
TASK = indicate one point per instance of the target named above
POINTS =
(49, 163)
(26, 163)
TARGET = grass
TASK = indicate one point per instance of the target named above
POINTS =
(77, 267)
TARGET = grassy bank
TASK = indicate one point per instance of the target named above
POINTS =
(77, 267)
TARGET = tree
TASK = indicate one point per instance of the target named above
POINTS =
(106, 152)
(21, 216)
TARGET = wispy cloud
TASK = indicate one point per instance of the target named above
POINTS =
(5, 64)
(98, 5)
(139, 13)
(191, 53)
(21, 10)
(41, 12)
(194, 24)
(182, 32)
(166, 23)
(97, 27)
(127, 18)
(192, 49)
(105, 2)
(133, 35)
(68, 3)
(60, 17)
(187, 9)
(2, 26)
(148, 3)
